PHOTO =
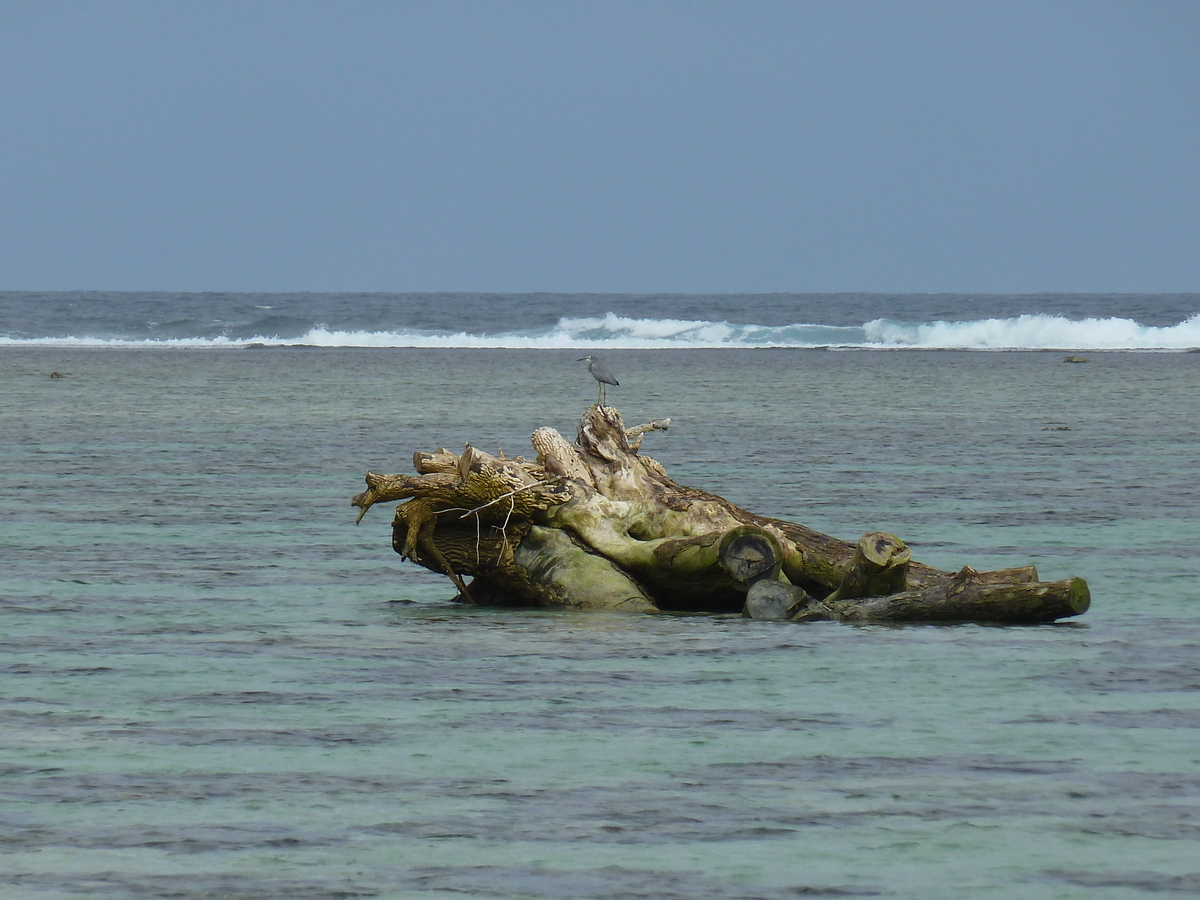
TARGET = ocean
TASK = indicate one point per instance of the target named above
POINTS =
(214, 684)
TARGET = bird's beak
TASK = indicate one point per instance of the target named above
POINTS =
(582, 358)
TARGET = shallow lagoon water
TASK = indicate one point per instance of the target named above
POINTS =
(215, 685)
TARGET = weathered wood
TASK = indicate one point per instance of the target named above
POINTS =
(967, 597)
(748, 553)
(879, 568)
(771, 599)
(551, 569)
(635, 434)
(595, 524)
(558, 457)
(1018, 575)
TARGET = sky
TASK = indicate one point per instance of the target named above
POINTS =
(918, 146)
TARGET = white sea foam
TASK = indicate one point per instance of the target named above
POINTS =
(1036, 332)
(1027, 332)
(166, 343)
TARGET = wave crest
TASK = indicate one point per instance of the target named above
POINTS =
(611, 331)
(1036, 332)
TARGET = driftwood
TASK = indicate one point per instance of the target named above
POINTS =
(594, 524)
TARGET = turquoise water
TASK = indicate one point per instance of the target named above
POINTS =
(215, 685)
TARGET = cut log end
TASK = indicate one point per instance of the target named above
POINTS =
(749, 552)
(1079, 597)
(773, 600)
(883, 550)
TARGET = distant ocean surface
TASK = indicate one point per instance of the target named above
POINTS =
(214, 685)
(616, 321)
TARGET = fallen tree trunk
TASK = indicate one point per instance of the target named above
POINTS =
(966, 597)
(594, 524)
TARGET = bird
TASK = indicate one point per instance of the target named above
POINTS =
(600, 372)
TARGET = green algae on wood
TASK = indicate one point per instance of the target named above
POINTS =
(595, 524)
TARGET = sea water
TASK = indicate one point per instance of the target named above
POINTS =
(214, 684)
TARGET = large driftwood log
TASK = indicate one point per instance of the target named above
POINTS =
(594, 524)
(968, 596)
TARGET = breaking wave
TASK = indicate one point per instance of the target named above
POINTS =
(1026, 332)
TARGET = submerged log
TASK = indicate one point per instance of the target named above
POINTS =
(778, 600)
(967, 597)
(594, 524)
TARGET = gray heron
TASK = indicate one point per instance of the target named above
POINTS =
(600, 372)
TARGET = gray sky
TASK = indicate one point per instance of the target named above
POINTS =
(601, 146)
